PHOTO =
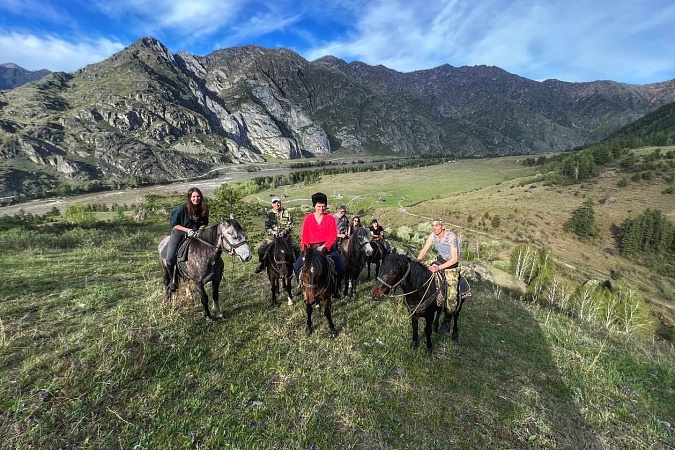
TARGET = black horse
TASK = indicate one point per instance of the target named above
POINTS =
(204, 262)
(380, 250)
(354, 252)
(279, 262)
(419, 292)
(318, 278)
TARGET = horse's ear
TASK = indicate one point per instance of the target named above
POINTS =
(223, 220)
(231, 216)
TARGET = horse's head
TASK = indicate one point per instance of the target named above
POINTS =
(393, 272)
(361, 240)
(314, 276)
(281, 256)
(232, 238)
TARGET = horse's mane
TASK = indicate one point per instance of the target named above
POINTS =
(210, 234)
(283, 244)
(419, 273)
(353, 243)
(232, 221)
(316, 259)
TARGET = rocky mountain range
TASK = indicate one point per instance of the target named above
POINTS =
(148, 114)
(12, 76)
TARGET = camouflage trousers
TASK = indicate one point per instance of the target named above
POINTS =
(446, 288)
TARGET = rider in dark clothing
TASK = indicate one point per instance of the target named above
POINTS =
(187, 219)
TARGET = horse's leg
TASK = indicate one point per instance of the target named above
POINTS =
(415, 333)
(455, 330)
(437, 317)
(204, 298)
(308, 327)
(428, 320)
(273, 290)
(286, 282)
(217, 277)
(329, 317)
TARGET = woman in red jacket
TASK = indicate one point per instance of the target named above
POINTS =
(319, 230)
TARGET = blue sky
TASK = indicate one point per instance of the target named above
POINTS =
(630, 41)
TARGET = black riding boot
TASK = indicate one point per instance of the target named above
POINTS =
(445, 326)
(336, 288)
(259, 267)
(171, 268)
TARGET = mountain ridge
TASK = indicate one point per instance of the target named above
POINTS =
(147, 114)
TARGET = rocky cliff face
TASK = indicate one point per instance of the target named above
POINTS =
(148, 114)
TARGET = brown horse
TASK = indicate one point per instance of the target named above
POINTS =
(354, 252)
(279, 262)
(204, 262)
(317, 278)
(419, 292)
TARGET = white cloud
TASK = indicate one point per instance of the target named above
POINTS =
(573, 40)
(182, 17)
(34, 52)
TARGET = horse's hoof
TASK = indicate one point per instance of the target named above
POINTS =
(308, 331)
(333, 333)
(218, 317)
(414, 345)
(455, 337)
(290, 302)
(427, 352)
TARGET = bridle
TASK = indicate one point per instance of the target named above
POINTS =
(223, 239)
(279, 263)
(395, 285)
(314, 286)
(422, 304)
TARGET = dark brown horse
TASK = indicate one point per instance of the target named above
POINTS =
(317, 278)
(419, 292)
(204, 262)
(354, 252)
(279, 262)
(380, 250)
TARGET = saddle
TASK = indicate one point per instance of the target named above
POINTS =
(181, 256)
(463, 290)
(182, 251)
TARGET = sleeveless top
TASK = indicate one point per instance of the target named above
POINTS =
(443, 246)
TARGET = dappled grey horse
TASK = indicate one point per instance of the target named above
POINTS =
(204, 262)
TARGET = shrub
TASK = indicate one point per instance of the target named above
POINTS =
(79, 215)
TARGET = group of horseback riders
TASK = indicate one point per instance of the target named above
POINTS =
(320, 230)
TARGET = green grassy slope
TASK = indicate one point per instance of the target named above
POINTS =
(92, 357)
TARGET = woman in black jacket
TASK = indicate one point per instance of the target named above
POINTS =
(187, 219)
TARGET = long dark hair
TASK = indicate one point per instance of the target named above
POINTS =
(196, 212)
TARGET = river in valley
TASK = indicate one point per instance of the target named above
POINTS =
(135, 195)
